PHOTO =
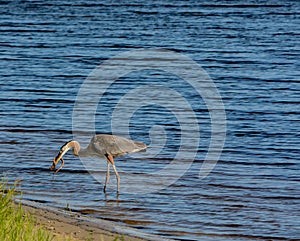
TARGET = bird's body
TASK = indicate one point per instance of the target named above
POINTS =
(104, 146)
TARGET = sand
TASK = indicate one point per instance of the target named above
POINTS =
(66, 223)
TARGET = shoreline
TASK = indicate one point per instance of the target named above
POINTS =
(81, 227)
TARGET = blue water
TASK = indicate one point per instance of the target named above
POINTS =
(250, 49)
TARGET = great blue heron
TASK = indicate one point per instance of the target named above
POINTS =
(103, 146)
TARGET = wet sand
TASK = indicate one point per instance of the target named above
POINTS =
(79, 227)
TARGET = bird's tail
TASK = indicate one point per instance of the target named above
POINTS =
(140, 146)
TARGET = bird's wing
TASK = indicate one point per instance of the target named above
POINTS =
(115, 145)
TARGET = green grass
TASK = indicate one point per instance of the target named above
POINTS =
(18, 225)
(15, 223)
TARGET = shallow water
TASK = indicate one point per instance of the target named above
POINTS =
(251, 52)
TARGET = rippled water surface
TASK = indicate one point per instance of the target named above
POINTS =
(251, 51)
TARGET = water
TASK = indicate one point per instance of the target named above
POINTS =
(251, 51)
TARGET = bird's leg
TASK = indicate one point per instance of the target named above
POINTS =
(118, 178)
(111, 160)
(107, 177)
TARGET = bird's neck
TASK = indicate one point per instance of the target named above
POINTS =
(77, 150)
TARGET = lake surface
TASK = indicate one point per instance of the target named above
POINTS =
(250, 50)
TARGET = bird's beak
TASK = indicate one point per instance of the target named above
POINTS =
(54, 164)
(62, 164)
(56, 160)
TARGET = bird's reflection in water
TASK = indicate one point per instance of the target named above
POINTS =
(108, 199)
(112, 200)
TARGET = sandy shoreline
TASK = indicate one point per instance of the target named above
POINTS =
(81, 227)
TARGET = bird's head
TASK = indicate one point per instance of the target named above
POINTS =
(63, 150)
